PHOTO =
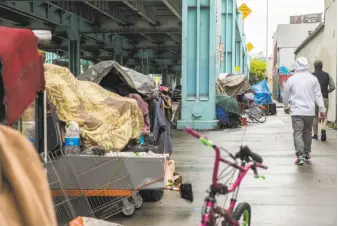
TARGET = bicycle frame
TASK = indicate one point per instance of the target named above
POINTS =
(210, 201)
(209, 210)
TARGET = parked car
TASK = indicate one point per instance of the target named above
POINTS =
(177, 93)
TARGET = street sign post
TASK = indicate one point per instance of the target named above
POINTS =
(249, 46)
(245, 10)
(237, 69)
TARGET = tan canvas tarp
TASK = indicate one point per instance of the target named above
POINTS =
(105, 119)
(233, 85)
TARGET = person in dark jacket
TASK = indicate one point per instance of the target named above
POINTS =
(327, 86)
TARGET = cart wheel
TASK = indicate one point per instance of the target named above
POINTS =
(152, 195)
(137, 201)
(128, 208)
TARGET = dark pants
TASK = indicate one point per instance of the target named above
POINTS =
(302, 133)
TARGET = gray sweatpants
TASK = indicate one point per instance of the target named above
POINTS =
(302, 133)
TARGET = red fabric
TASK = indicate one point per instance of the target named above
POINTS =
(22, 70)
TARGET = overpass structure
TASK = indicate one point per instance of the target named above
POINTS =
(195, 39)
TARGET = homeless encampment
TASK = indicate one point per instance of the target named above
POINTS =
(233, 85)
(227, 108)
(228, 111)
(262, 94)
(154, 102)
(119, 79)
(106, 119)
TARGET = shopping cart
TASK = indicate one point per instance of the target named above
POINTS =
(98, 186)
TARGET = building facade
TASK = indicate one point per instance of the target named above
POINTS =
(322, 45)
(285, 41)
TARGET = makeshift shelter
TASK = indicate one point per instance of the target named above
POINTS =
(119, 79)
(127, 82)
(228, 111)
(106, 119)
(262, 95)
(233, 85)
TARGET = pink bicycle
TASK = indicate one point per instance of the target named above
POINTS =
(231, 215)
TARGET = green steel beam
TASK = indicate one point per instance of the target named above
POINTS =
(167, 45)
(103, 7)
(174, 38)
(48, 12)
(174, 7)
(148, 37)
(138, 6)
(85, 13)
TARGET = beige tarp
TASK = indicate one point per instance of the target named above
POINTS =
(233, 85)
(105, 119)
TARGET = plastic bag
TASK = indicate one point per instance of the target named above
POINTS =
(86, 221)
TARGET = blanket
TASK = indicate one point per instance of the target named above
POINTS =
(106, 119)
(25, 199)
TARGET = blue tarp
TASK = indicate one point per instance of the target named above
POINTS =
(263, 94)
(284, 71)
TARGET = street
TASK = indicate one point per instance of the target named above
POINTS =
(290, 195)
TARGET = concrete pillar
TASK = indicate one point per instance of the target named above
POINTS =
(198, 64)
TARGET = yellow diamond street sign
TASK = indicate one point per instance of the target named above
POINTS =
(237, 68)
(249, 46)
(245, 10)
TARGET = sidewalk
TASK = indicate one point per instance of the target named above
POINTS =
(291, 195)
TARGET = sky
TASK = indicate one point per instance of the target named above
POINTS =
(279, 13)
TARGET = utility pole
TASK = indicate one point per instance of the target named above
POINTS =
(267, 35)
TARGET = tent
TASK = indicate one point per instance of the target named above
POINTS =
(262, 93)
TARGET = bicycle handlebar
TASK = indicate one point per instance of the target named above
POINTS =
(199, 136)
(242, 154)
(246, 152)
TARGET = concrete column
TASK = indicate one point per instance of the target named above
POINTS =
(198, 64)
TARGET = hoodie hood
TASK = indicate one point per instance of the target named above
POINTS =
(302, 64)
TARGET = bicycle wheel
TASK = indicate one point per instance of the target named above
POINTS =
(242, 213)
(258, 114)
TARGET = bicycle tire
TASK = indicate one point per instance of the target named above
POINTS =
(258, 110)
(250, 118)
(243, 209)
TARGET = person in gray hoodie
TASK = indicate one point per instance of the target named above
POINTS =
(301, 92)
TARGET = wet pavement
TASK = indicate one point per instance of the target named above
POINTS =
(291, 195)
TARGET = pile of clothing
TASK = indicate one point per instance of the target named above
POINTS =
(154, 103)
